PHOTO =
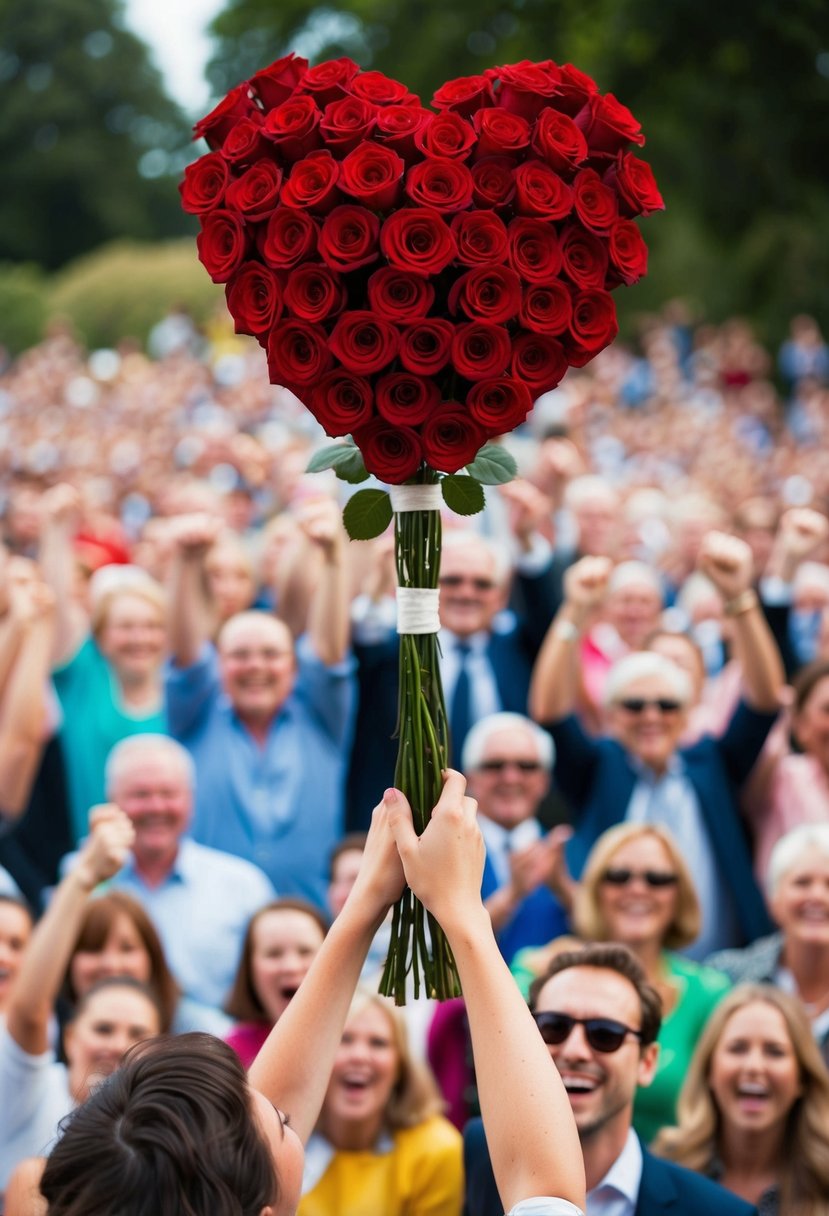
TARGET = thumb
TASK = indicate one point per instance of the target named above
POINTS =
(400, 820)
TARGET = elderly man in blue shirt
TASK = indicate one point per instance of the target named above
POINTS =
(267, 722)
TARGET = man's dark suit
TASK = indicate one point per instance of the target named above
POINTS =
(665, 1189)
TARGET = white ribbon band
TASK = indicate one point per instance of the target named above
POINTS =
(417, 609)
(415, 498)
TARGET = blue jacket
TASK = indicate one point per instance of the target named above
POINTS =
(536, 921)
(665, 1190)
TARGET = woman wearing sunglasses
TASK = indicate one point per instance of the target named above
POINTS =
(640, 772)
(754, 1111)
(637, 890)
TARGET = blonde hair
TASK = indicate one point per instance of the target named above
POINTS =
(587, 915)
(697, 1140)
(146, 589)
(415, 1096)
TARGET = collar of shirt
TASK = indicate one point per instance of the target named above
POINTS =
(500, 842)
(179, 871)
(622, 1180)
(476, 642)
(674, 768)
(319, 1153)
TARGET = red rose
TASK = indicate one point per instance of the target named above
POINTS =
(346, 122)
(298, 354)
(493, 184)
(500, 133)
(399, 296)
(425, 345)
(481, 237)
(397, 127)
(539, 361)
(608, 125)
(635, 184)
(276, 83)
(559, 142)
(593, 325)
(381, 90)
(245, 143)
(392, 453)
(348, 238)
(540, 191)
(593, 202)
(526, 88)
(293, 127)
(487, 293)
(222, 244)
(628, 251)
(341, 402)
(254, 298)
(583, 257)
(534, 251)
(451, 438)
(447, 135)
(313, 183)
(417, 239)
(328, 81)
(499, 405)
(290, 237)
(480, 350)
(364, 343)
(256, 192)
(575, 87)
(546, 307)
(373, 175)
(216, 125)
(464, 95)
(406, 400)
(204, 184)
(313, 293)
(445, 185)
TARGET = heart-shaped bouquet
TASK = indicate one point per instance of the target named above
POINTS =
(419, 276)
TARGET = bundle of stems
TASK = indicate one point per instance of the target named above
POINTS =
(422, 755)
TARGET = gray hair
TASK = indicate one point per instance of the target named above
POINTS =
(480, 734)
(635, 574)
(143, 745)
(586, 487)
(642, 666)
(799, 843)
(463, 539)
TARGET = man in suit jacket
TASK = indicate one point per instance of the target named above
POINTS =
(600, 1019)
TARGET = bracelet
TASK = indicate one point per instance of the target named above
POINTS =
(566, 631)
(741, 603)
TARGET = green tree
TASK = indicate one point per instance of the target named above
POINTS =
(90, 144)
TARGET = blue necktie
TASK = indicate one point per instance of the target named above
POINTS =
(460, 712)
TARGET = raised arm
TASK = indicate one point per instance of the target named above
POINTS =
(530, 1129)
(60, 518)
(23, 699)
(727, 561)
(38, 981)
(800, 533)
(555, 681)
(191, 619)
(329, 615)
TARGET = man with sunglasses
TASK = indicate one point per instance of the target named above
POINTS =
(600, 1018)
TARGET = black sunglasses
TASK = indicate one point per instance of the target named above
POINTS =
(637, 705)
(620, 877)
(457, 580)
(498, 766)
(603, 1034)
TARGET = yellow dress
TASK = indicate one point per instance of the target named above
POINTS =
(420, 1174)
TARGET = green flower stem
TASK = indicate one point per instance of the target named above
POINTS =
(422, 755)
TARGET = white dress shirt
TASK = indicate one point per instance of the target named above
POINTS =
(618, 1191)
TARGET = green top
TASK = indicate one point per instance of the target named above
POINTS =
(94, 720)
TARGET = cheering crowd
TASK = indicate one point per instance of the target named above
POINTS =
(198, 698)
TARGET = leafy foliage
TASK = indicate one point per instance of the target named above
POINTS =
(23, 307)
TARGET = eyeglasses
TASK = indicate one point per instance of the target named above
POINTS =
(603, 1034)
(620, 877)
(498, 766)
(638, 705)
(457, 580)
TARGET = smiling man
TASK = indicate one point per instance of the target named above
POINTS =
(599, 1018)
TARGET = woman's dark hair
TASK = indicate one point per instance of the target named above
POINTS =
(806, 681)
(118, 981)
(99, 918)
(16, 902)
(243, 1002)
(170, 1133)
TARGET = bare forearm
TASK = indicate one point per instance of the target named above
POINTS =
(57, 565)
(12, 631)
(190, 619)
(23, 716)
(759, 658)
(555, 680)
(329, 622)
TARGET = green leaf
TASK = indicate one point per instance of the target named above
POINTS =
(367, 514)
(463, 495)
(493, 466)
(331, 458)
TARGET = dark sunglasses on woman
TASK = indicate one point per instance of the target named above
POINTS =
(603, 1034)
(619, 876)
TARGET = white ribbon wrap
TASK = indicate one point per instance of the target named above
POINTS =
(417, 608)
(415, 498)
